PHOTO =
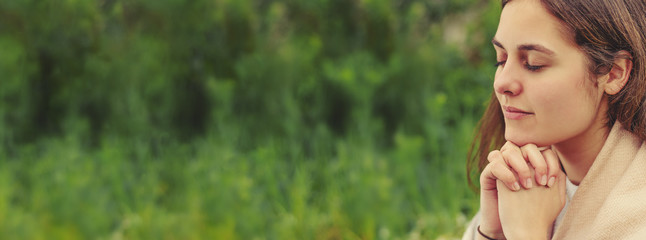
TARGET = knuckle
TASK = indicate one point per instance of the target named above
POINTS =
(486, 170)
(488, 167)
(493, 164)
(527, 147)
(493, 155)
(539, 164)
(483, 177)
(517, 150)
(508, 145)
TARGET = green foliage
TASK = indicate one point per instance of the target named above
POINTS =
(229, 119)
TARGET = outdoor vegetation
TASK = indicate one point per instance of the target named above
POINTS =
(240, 119)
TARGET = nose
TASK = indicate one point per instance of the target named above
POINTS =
(506, 82)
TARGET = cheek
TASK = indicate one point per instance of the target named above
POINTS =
(553, 105)
(572, 103)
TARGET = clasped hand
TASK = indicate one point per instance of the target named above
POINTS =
(522, 191)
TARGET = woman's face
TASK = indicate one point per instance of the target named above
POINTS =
(542, 81)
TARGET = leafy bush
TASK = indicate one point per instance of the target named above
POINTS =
(229, 119)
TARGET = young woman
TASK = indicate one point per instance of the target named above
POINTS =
(561, 146)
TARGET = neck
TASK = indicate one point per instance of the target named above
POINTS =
(578, 154)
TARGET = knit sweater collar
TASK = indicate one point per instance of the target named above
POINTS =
(609, 202)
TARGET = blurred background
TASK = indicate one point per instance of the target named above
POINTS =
(240, 119)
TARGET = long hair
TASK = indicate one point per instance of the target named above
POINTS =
(600, 28)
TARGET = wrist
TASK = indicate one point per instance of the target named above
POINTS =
(487, 233)
(529, 235)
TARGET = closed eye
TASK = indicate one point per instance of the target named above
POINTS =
(533, 68)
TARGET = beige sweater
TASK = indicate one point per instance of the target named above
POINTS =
(610, 202)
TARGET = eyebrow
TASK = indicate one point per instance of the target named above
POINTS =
(527, 47)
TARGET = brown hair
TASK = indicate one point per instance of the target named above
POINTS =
(601, 28)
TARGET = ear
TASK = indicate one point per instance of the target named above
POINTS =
(619, 74)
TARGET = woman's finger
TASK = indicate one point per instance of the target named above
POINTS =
(535, 157)
(513, 156)
(508, 145)
(505, 174)
(553, 166)
(494, 155)
(498, 170)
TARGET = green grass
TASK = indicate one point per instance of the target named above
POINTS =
(129, 189)
(233, 119)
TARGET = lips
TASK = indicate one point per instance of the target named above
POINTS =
(515, 113)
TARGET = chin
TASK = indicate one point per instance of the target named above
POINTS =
(525, 139)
